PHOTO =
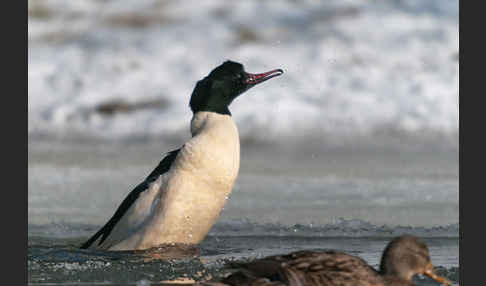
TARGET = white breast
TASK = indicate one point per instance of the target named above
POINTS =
(194, 191)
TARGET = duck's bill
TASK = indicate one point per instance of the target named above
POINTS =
(430, 272)
(253, 79)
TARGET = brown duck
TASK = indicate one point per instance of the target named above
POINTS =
(404, 257)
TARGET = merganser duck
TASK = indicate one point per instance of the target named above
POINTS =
(404, 257)
(182, 197)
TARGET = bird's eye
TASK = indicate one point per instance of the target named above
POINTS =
(237, 76)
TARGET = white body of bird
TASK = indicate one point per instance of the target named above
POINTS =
(183, 204)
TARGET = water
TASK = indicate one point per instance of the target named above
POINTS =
(355, 143)
(62, 263)
(353, 201)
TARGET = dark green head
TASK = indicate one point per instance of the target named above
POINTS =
(217, 90)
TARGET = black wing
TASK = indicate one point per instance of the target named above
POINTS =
(162, 168)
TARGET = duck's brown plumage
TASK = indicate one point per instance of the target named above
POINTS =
(306, 268)
(404, 257)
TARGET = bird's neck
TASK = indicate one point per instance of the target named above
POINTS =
(398, 273)
(391, 280)
(203, 121)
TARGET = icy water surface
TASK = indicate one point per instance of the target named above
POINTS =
(353, 201)
(58, 261)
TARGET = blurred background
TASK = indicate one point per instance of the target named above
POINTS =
(363, 125)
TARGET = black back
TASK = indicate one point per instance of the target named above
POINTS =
(162, 168)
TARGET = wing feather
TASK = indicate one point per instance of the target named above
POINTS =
(106, 230)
